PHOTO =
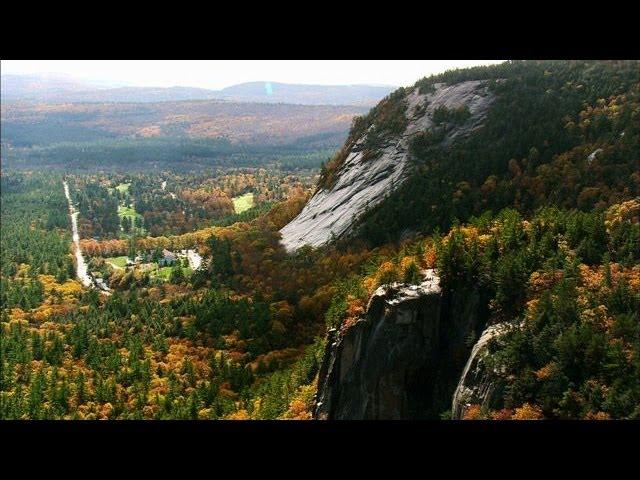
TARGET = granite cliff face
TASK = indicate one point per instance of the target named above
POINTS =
(364, 182)
(403, 358)
(479, 384)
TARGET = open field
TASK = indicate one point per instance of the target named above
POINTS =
(164, 273)
(130, 212)
(123, 187)
(119, 262)
(127, 212)
(243, 202)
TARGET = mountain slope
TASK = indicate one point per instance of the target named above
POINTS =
(275, 92)
(40, 86)
(530, 319)
(362, 182)
(555, 150)
(527, 144)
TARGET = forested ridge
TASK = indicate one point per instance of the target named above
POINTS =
(26, 124)
(558, 159)
(534, 148)
(183, 136)
(539, 209)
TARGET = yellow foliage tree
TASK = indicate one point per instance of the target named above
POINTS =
(528, 412)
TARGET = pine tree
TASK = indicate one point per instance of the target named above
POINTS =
(80, 389)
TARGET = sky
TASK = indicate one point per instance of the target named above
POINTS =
(216, 74)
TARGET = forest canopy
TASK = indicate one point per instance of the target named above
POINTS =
(196, 310)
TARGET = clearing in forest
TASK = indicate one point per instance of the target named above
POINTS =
(118, 262)
(243, 202)
(123, 187)
(164, 273)
(124, 211)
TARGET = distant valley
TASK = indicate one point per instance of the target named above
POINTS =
(467, 249)
(27, 124)
(53, 89)
(49, 121)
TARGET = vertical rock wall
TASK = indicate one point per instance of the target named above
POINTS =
(403, 358)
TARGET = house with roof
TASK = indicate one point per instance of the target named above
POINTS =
(168, 258)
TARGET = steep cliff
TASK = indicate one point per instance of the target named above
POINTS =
(458, 148)
(363, 182)
(479, 385)
(403, 358)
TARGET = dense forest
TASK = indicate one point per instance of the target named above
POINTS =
(174, 203)
(27, 124)
(178, 154)
(198, 347)
(559, 133)
(185, 136)
(539, 209)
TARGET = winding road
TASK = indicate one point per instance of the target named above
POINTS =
(81, 265)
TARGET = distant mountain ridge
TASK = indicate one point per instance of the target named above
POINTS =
(61, 89)
(42, 85)
(274, 92)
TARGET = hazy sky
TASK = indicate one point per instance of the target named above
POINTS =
(217, 74)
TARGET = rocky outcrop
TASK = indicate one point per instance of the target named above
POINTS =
(363, 183)
(479, 384)
(402, 359)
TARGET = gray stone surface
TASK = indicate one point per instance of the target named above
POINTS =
(593, 154)
(364, 183)
(402, 359)
(478, 384)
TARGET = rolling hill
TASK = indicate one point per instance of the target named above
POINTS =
(60, 89)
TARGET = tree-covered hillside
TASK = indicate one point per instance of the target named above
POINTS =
(540, 212)
(537, 213)
(559, 133)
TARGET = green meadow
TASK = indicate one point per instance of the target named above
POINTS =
(243, 202)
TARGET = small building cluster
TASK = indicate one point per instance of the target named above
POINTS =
(169, 258)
